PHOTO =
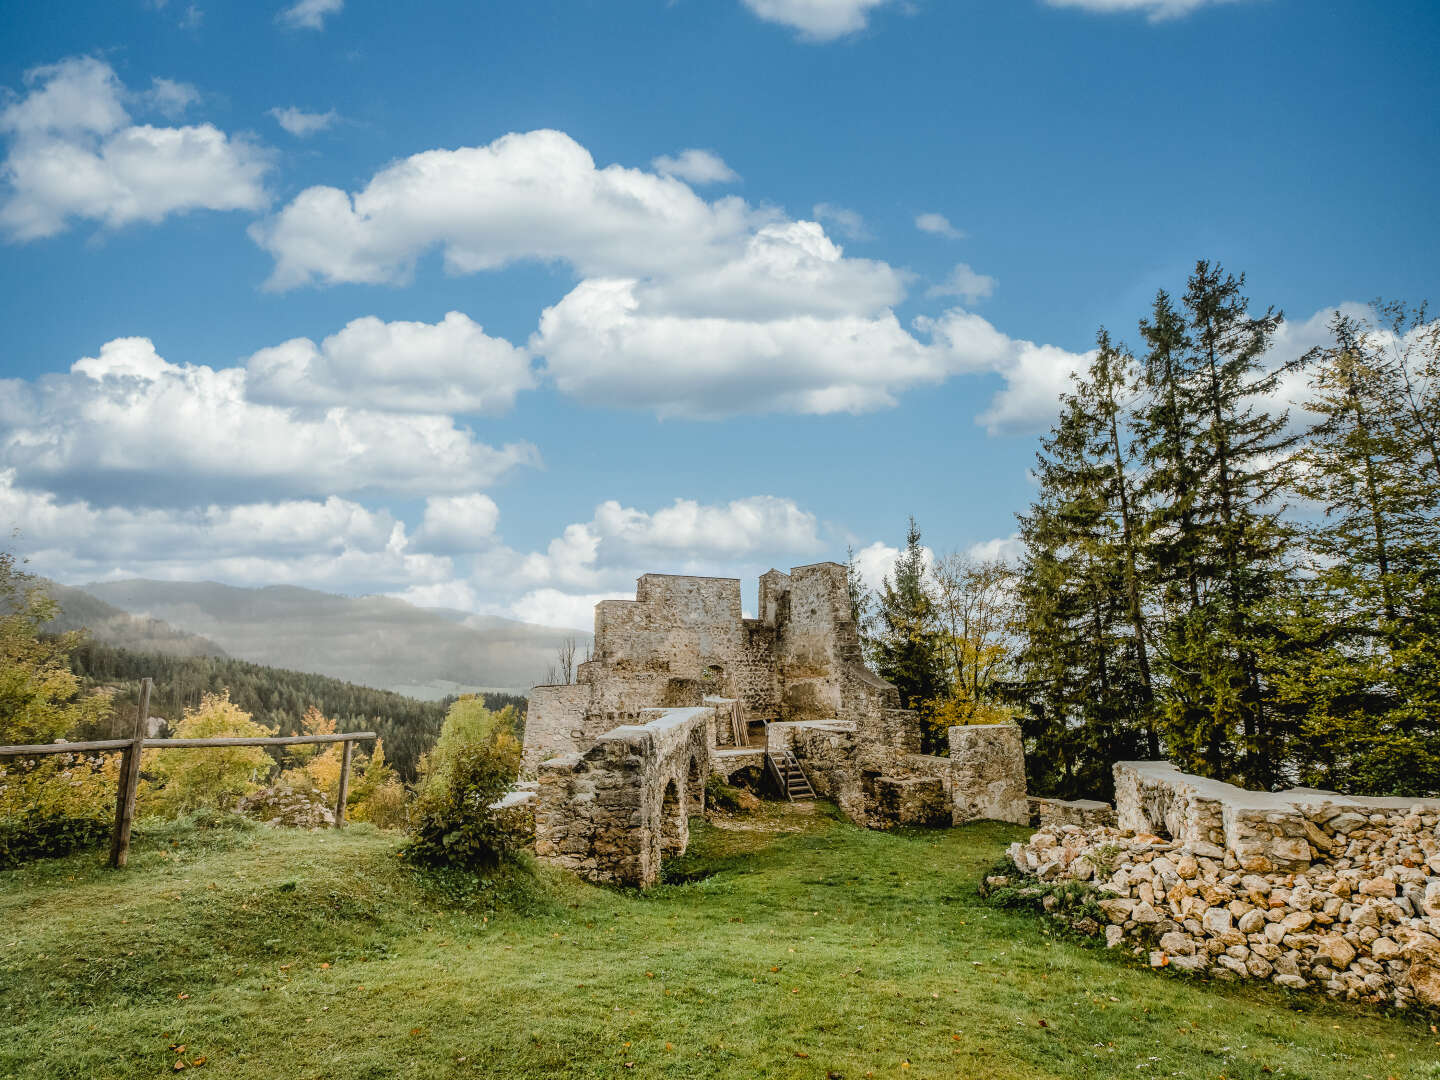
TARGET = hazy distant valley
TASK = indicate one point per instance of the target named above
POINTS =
(373, 641)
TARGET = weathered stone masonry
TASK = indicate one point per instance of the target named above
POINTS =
(681, 682)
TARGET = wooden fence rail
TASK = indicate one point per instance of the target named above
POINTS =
(130, 763)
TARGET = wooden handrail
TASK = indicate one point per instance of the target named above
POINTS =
(41, 749)
(130, 763)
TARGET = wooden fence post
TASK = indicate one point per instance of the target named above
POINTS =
(130, 780)
(349, 746)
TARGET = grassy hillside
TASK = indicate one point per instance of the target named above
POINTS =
(803, 949)
(372, 641)
(275, 697)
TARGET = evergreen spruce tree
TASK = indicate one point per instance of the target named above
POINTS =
(906, 646)
(1241, 542)
(1078, 678)
(1364, 677)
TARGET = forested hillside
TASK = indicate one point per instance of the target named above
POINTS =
(274, 697)
(78, 610)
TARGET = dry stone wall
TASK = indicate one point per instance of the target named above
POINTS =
(613, 813)
(1206, 877)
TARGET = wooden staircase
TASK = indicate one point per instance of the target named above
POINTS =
(786, 772)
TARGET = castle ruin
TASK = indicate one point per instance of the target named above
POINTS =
(681, 686)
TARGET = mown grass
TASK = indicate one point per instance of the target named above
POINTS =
(805, 949)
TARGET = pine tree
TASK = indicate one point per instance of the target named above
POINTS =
(906, 642)
(1241, 542)
(1077, 676)
(1363, 678)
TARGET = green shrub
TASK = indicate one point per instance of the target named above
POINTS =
(471, 767)
(42, 835)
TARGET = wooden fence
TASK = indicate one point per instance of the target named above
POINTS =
(130, 763)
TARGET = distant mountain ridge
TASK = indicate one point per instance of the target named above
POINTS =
(371, 641)
(109, 624)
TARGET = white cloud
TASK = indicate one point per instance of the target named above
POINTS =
(1010, 548)
(848, 223)
(455, 523)
(696, 166)
(536, 195)
(332, 543)
(310, 14)
(129, 421)
(686, 307)
(1035, 375)
(74, 153)
(817, 20)
(965, 283)
(452, 366)
(551, 607)
(170, 98)
(600, 345)
(1156, 10)
(876, 562)
(300, 123)
(938, 225)
(620, 542)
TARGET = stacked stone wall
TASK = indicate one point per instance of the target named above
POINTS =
(1362, 925)
(989, 773)
(614, 812)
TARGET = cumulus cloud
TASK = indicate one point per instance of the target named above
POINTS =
(601, 345)
(310, 14)
(455, 523)
(536, 195)
(452, 366)
(302, 124)
(848, 223)
(332, 543)
(817, 20)
(74, 153)
(620, 542)
(1035, 375)
(938, 225)
(965, 283)
(552, 607)
(130, 421)
(1009, 548)
(1155, 10)
(685, 307)
(696, 166)
(876, 562)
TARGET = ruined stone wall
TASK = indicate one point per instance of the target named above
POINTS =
(989, 773)
(754, 678)
(1362, 923)
(1262, 831)
(614, 812)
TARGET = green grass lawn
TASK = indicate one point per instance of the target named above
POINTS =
(808, 948)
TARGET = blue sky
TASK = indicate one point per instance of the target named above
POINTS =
(229, 353)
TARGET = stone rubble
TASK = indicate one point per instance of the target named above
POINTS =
(1363, 923)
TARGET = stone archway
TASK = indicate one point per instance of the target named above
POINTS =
(674, 821)
(695, 788)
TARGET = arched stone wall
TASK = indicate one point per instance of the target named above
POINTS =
(613, 813)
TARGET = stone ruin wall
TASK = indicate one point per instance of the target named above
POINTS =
(680, 640)
(1303, 888)
(884, 784)
(614, 812)
(683, 643)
